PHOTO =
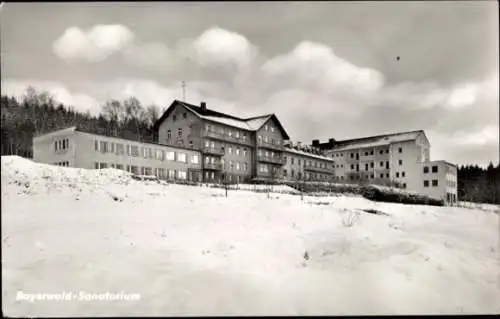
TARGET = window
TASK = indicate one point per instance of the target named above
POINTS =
(103, 146)
(366, 153)
(293, 173)
(352, 155)
(160, 173)
(246, 166)
(387, 151)
(238, 166)
(237, 151)
(404, 185)
(237, 135)
(169, 135)
(231, 164)
(120, 150)
(184, 115)
(195, 159)
(371, 152)
(272, 141)
(272, 128)
(357, 167)
(352, 166)
(181, 157)
(381, 152)
(366, 166)
(426, 183)
(119, 166)
(266, 139)
(371, 164)
(174, 117)
(434, 182)
(267, 127)
(96, 146)
(397, 174)
(381, 164)
(285, 173)
(181, 175)
(400, 162)
(434, 169)
(387, 175)
(96, 165)
(230, 133)
(387, 165)
(212, 145)
(179, 132)
(400, 150)
(292, 164)
(403, 174)
(170, 155)
(244, 137)
(134, 151)
(372, 176)
(426, 169)
(245, 152)
(160, 155)
(230, 150)
(382, 175)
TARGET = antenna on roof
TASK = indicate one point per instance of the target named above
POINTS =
(184, 91)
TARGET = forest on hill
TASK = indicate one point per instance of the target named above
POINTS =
(37, 112)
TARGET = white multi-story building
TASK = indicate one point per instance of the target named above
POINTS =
(401, 158)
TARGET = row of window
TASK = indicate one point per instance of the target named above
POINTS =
(65, 164)
(239, 166)
(268, 140)
(230, 150)
(369, 153)
(169, 133)
(144, 170)
(229, 132)
(307, 163)
(271, 154)
(451, 184)
(299, 175)
(434, 183)
(434, 169)
(145, 152)
(61, 145)
(174, 117)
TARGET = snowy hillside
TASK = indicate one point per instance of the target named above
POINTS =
(191, 251)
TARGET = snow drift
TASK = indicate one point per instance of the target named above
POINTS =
(191, 251)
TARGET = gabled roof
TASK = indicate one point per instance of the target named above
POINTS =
(249, 124)
(372, 141)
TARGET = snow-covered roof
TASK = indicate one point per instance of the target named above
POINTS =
(251, 124)
(292, 150)
(67, 130)
(369, 142)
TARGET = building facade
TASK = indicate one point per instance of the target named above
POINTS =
(73, 148)
(235, 149)
(198, 144)
(399, 158)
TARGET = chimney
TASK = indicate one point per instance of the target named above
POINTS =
(315, 143)
(331, 142)
(203, 106)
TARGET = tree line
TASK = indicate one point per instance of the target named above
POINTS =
(476, 184)
(37, 112)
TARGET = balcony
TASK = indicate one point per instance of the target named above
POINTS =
(276, 147)
(225, 137)
(213, 166)
(270, 159)
(213, 151)
(319, 169)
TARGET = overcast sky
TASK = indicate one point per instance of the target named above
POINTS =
(326, 69)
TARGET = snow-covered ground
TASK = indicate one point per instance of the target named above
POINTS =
(191, 251)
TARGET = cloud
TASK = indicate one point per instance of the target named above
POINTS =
(315, 63)
(94, 44)
(151, 55)
(218, 47)
(80, 101)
